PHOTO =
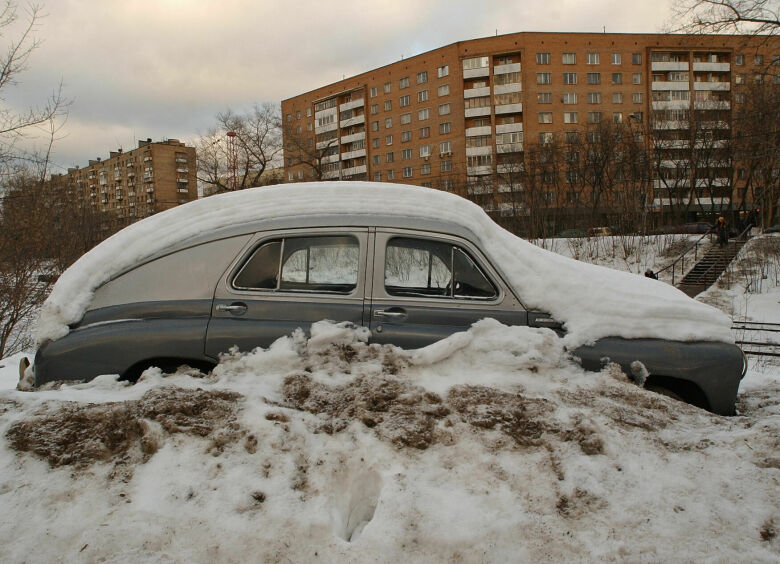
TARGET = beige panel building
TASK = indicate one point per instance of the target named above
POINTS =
(151, 178)
(458, 115)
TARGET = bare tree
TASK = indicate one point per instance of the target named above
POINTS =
(314, 154)
(257, 145)
(757, 17)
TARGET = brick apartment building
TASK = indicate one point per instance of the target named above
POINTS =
(151, 178)
(461, 117)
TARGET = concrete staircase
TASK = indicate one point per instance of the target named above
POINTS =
(709, 268)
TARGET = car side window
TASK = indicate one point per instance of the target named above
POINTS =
(303, 264)
(426, 268)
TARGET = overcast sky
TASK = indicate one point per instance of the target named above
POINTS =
(163, 68)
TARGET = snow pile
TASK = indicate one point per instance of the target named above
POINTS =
(593, 302)
(489, 446)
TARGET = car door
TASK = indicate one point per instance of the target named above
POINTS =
(426, 286)
(286, 280)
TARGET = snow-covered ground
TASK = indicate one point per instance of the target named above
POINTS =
(489, 446)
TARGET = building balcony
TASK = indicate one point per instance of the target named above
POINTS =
(479, 170)
(183, 190)
(712, 105)
(353, 154)
(325, 128)
(351, 104)
(671, 104)
(671, 85)
(672, 144)
(355, 120)
(672, 183)
(149, 200)
(509, 168)
(504, 69)
(684, 165)
(328, 143)
(715, 144)
(509, 109)
(361, 169)
(670, 124)
(131, 204)
(711, 67)
(506, 88)
(714, 124)
(183, 170)
(712, 182)
(479, 188)
(180, 160)
(476, 73)
(334, 111)
(149, 190)
(477, 131)
(509, 148)
(669, 65)
(712, 86)
(329, 175)
(504, 187)
(476, 92)
(509, 127)
(182, 180)
(353, 137)
(103, 181)
(131, 194)
(330, 159)
(130, 173)
(93, 194)
(476, 151)
(477, 112)
(147, 159)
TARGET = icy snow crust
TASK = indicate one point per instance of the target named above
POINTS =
(488, 446)
(592, 301)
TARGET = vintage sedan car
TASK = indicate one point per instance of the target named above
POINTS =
(413, 265)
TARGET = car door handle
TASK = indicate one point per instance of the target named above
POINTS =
(236, 307)
(388, 314)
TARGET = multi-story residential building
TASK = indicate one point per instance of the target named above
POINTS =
(462, 117)
(130, 185)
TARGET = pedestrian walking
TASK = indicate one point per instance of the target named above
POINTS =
(722, 231)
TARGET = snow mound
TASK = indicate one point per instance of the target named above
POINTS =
(592, 301)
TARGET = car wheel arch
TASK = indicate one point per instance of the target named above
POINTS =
(166, 364)
(684, 390)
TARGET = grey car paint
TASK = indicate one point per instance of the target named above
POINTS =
(169, 308)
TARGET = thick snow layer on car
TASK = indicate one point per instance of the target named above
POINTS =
(592, 301)
(489, 446)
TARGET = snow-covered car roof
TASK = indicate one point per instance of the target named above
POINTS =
(590, 300)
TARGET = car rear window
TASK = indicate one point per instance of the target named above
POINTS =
(302, 264)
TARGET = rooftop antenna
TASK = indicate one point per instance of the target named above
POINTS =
(496, 32)
(605, 29)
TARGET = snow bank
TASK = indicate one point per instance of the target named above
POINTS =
(592, 301)
(489, 446)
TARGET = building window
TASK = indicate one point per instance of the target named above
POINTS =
(374, 126)
(377, 177)
(291, 176)
(572, 137)
(374, 109)
(388, 123)
(546, 137)
(594, 78)
(407, 172)
(594, 97)
(594, 117)
(375, 142)
(542, 58)
(444, 90)
(404, 82)
(424, 132)
(570, 78)
(389, 157)
(636, 58)
(389, 140)
(443, 71)
(636, 97)
(475, 63)
(391, 175)
(404, 101)
(376, 159)
(387, 88)
(543, 78)
(422, 77)
(289, 118)
(406, 119)
(444, 109)
(592, 58)
(617, 117)
(545, 117)
(373, 92)
(422, 115)
(446, 166)
(569, 58)
(406, 136)
(422, 96)
(388, 105)
(445, 147)
(758, 60)
(544, 98)
(570, 117)
(308, 126)
(406, 154)
(636, 78)
(298, 114)
(776, 60)
(739, 79)
(739, 59)
(617, 78)
(308, 112)
(425, 168)
(617, 97)
(445, 128)
(617, 59)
